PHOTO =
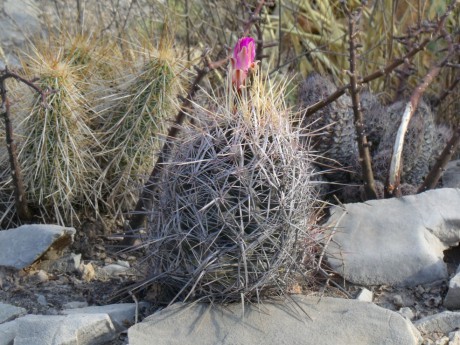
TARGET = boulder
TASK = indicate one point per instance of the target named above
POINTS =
(298, 320)
(21, 247)
(397, 241)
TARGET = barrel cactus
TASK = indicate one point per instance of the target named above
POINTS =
(336, 140)
(232, 218)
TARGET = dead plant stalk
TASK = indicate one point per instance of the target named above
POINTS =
(394, 176)
(22, 208)
(363, 145)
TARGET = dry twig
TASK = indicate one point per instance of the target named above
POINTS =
(363, 145)
(22, 208)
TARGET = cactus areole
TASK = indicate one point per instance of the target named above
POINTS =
(242, 60)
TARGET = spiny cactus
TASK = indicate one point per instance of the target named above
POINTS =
(56, 154)
(132, 123)
(423, 141)
(232, 213)
(333, 125)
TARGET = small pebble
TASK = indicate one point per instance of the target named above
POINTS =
(41, 299)
(123, 263)
(87, 272)
(42, 276)
(398, 301)
(407, 313)
(433, 301)
(419, 291)
(442, 341)
(365, 295)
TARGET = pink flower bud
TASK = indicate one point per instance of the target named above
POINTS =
(242, 60)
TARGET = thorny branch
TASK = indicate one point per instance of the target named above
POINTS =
(394, 176)
(363, 145)
(20, 198)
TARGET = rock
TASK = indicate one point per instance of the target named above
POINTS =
(18, 19)
(81, 329)
(365, 295)
(8, 332)
(443, 323)
(454, 338)
(20, 247)
(123, 263)
(398, 241)
(451, 177)
(331, 321)
(9, 312)
(74, 305)
(433, 301)
(87, 272)
(114, 270)
(41, 300)
(442, 341)
(407, 313)
(398, 301)
(452, 300)
(122, 315)
(67, 264)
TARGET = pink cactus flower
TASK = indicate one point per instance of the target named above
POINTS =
(242, 60)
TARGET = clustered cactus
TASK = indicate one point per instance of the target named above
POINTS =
(423, 143)
(133, 121)
(231, 217)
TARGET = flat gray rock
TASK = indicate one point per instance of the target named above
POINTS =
(8, 332)
(333, 321)
(78, 329)
(9, 312)
(122, 314)
(397, 241)
(22, 246)
(444, 323)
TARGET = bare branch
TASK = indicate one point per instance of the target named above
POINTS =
(363, 145)
(21, 203)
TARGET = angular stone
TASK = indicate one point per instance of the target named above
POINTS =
(9, 312)
(114, 270)
(452, 300)
(443, 323)
(77, 329)
(122, 314)
(8, 332)
(307, 321)
(451, 177)
(454, 338)
(407, 313)
(22, 246)
(365, 295)
(397, 241)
